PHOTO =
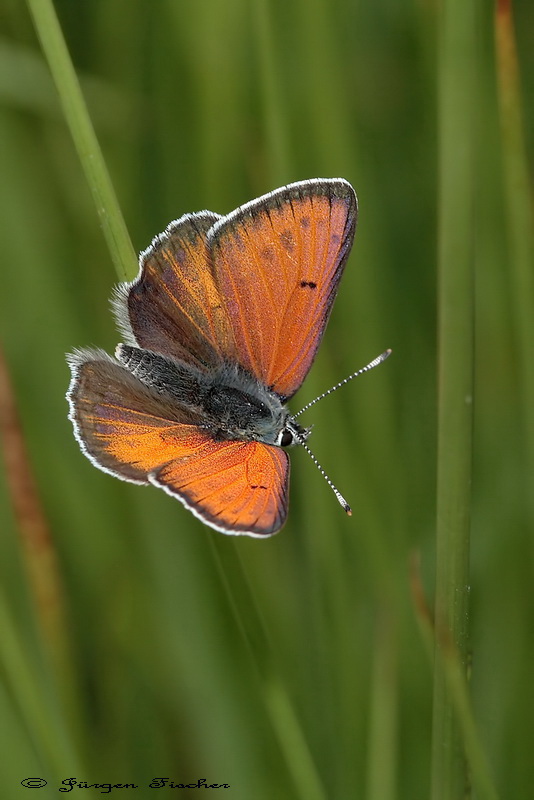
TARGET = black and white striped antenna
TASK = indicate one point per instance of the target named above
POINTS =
(341, 500)
(374, 363)
(301, 440)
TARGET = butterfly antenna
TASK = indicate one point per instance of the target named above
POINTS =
(374, 363)
(341, 500)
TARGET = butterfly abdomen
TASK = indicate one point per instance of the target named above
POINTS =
(182, 382)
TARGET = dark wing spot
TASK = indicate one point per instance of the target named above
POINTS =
(258, 486)
(287, 239)
(179, 255)
(309, 284)
(268, 253)
(304, 222)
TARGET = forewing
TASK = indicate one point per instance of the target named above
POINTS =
(173, 307)
(132, 432)
(277, 262)
(236, 487)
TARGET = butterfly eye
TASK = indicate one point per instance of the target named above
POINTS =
(286, 438)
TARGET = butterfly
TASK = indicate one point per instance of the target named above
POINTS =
(220, 328)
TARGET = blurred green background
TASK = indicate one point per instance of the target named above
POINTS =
(291, 667)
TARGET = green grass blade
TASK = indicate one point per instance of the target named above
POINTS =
(519, 219)
(83, 134)
(455, 377)
(453, 670)
(280, 710)
(383, 745)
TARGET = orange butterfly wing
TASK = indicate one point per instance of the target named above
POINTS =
(277, 262)
(173, 307)
(236, 487)
(255, 287)
(130, 431)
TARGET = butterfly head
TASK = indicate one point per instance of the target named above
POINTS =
(292, 433)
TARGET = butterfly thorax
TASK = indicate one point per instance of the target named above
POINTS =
(227, 400)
